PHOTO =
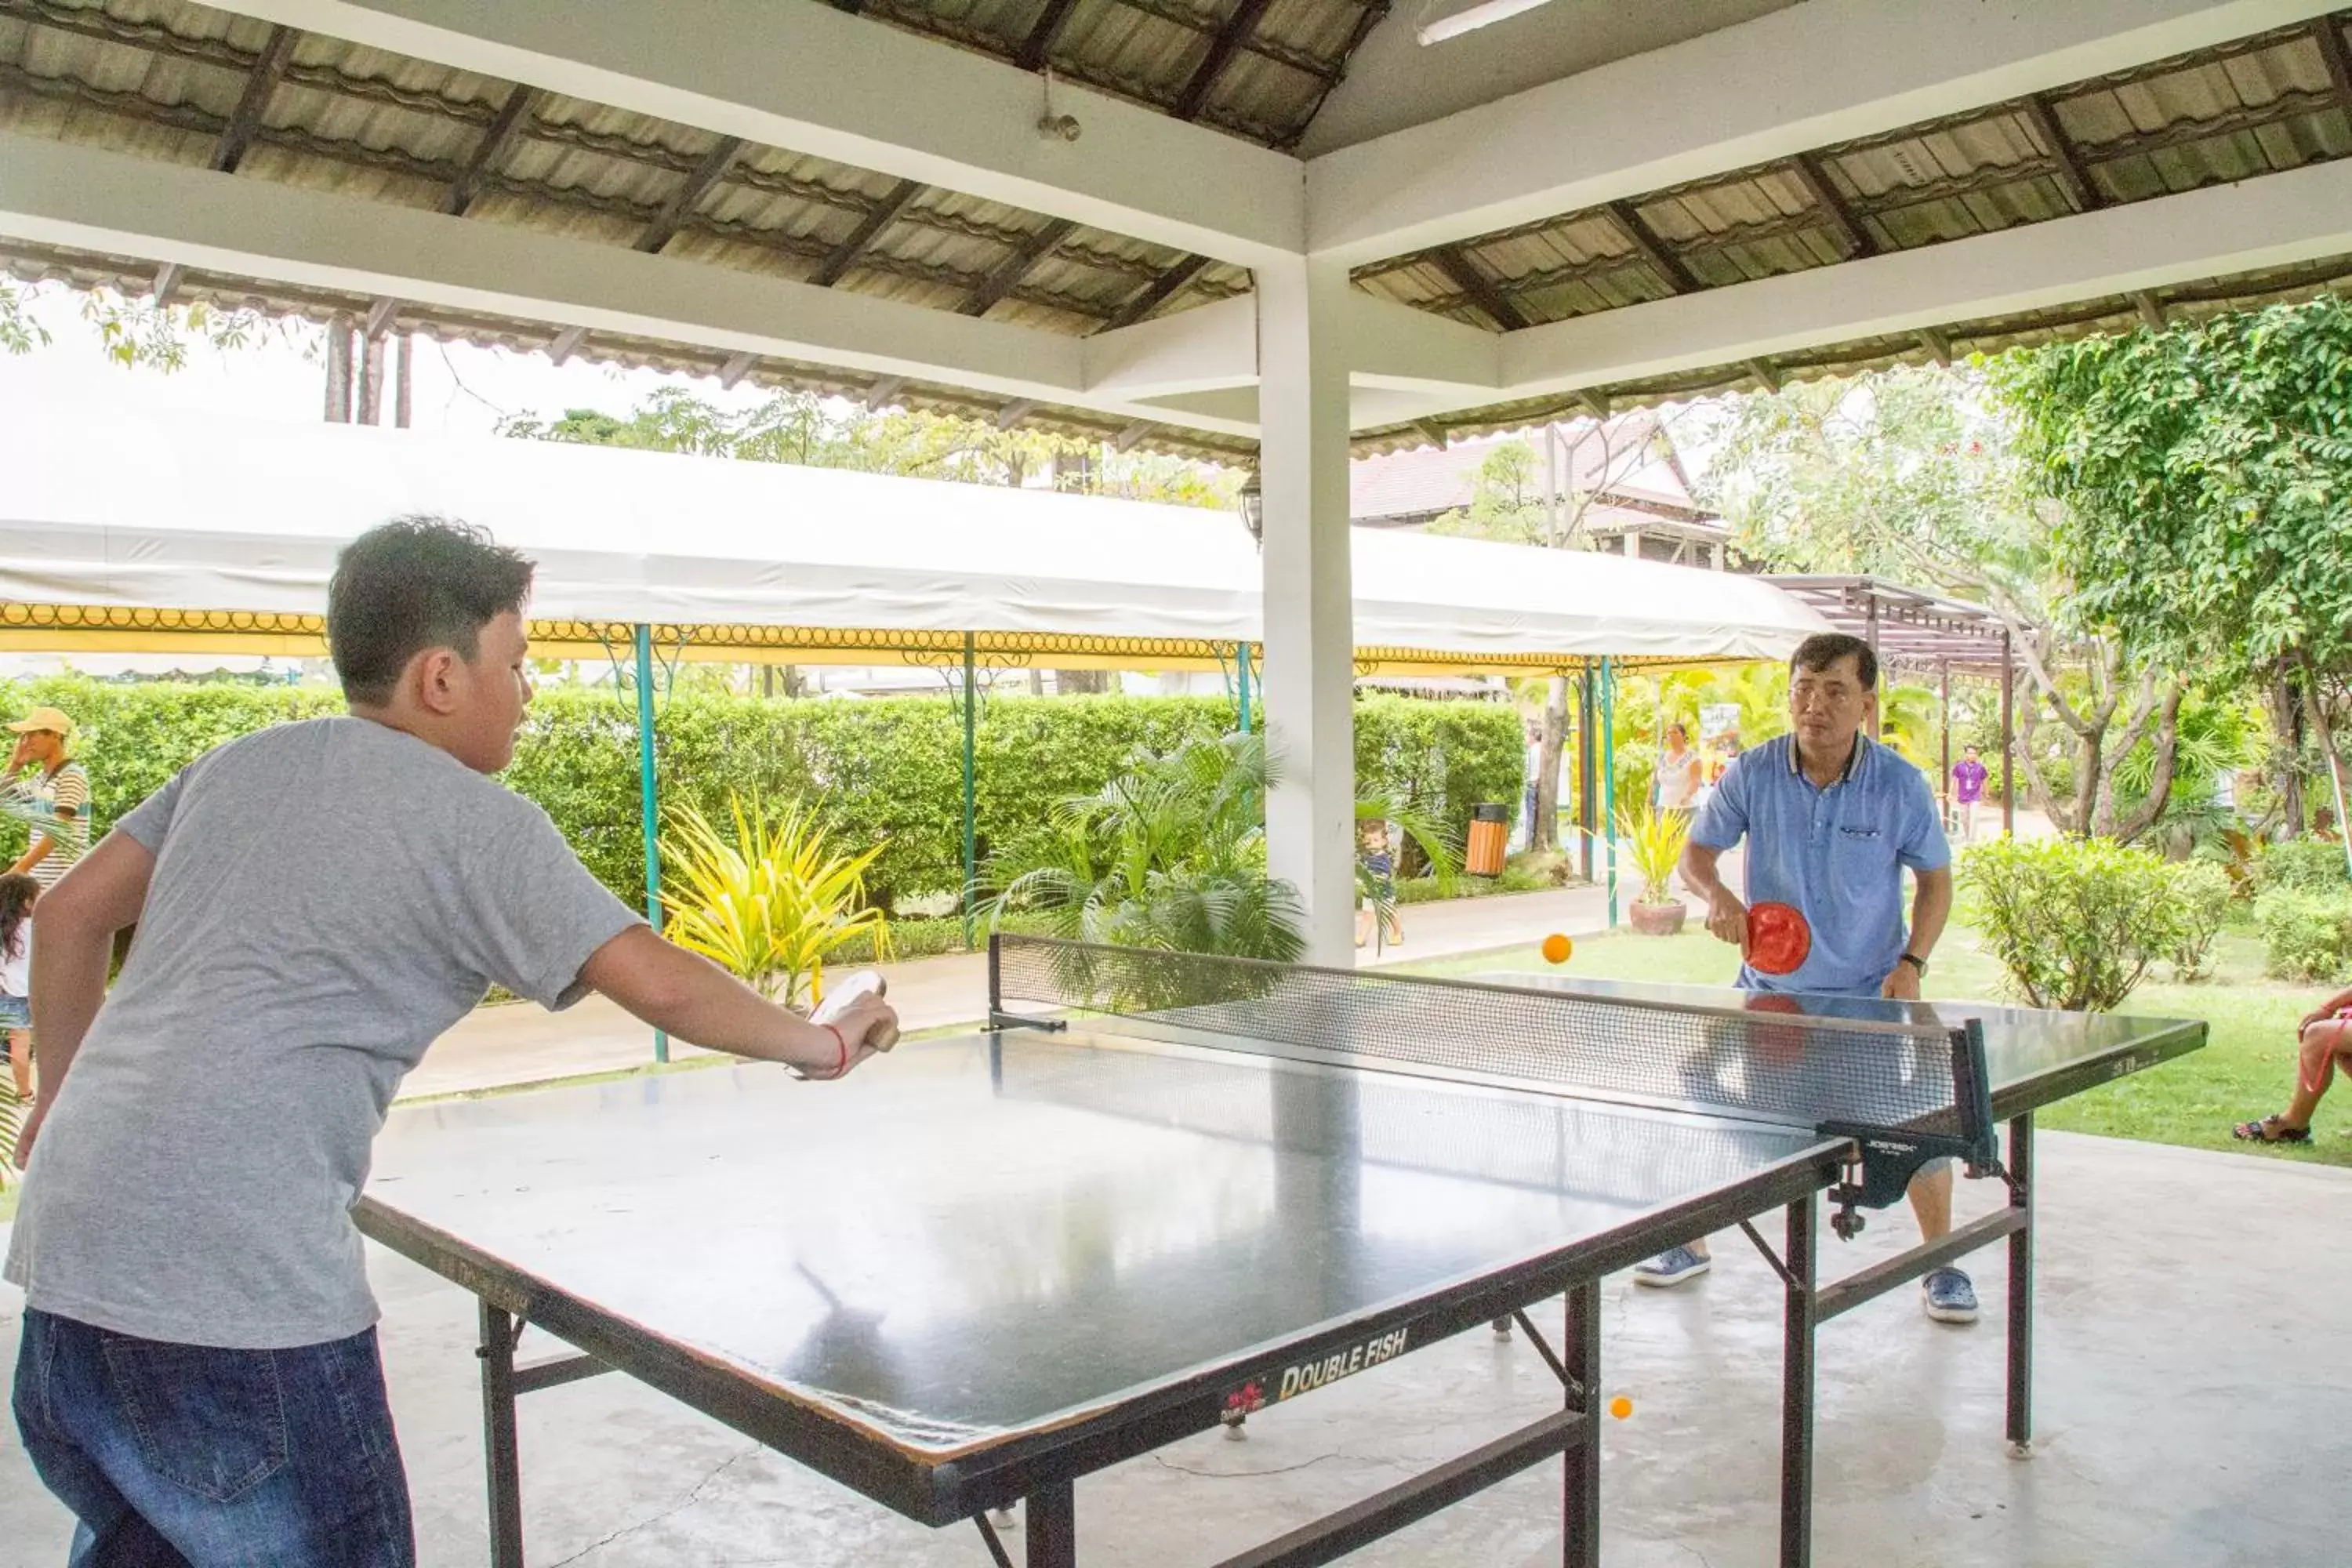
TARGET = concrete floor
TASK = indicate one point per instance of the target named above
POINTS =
(2191, 1390)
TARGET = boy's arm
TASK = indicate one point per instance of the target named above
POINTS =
(691, 998)
(77, 921)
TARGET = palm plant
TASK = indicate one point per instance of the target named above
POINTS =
(1170, 854)
(1909, 719)
(769, 902)
(1653, 842)
(12, 1121)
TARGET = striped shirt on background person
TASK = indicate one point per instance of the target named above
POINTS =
(67, 790)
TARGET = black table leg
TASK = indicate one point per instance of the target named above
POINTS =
(1797, 1390)
(498, 1449)
(1579, 1542)
(2021, 1288)
(1051, 1526)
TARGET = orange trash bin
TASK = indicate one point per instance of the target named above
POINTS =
(1490, 836)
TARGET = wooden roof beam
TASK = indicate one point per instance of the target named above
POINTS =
(884, 391)
(260, 83)
(1223, 47)
(1938, 346)
(379, 317)
(1043, 33)
(1662, 261)
(167, 280)
(736, 367)
(1156, 293)
(2151, 311)
(1015, 412)
(1483, 291)
(512, 116)
(2066, 163)
(1015, 266)
(1806, 167)
(689, 196)
(564, 343)
(2329, 37)
(879, 216)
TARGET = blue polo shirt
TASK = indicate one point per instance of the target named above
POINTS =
(1837, 854)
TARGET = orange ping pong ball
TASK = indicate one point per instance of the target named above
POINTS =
(1555, 948)
(1621, 1407)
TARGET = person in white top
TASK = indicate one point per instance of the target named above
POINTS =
(1678, 772)
(17, 892)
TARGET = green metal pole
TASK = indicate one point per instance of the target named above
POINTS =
(1608, 777)
(971, 799)
(648, 807)
(1242, 663)
(1588, 771)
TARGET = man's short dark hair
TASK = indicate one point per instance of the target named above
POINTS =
(1823, 650)
(414, 583)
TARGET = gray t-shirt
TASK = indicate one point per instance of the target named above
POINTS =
(328, 898)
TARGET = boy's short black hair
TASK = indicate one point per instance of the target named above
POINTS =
(1823, 650)
(414, 583)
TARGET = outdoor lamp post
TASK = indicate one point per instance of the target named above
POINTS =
(1253, 505)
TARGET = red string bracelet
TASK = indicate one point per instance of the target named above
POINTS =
(843, 1041)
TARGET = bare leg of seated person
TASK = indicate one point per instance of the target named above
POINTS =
(2324, 1050)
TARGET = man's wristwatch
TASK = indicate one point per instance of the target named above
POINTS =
(1917, 963)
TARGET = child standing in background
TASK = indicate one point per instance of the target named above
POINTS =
(1377, 886)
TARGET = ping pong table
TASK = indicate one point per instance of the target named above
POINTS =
(1161, 1194)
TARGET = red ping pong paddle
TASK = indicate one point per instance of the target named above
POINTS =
(1776, 1042)
(1778, 939)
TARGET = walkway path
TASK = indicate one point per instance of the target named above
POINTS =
(498, 1048)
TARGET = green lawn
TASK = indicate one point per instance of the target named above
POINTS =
(2243, 1071)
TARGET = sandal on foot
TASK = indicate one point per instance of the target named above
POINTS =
(2270, 1129)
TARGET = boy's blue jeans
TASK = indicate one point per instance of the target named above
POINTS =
(192, 1457)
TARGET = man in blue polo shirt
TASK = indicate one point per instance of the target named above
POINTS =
(1831, 819)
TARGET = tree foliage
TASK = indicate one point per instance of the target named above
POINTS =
(806, 428)
(134, 333)
(1905, 474)
(1911, 474)
(2206, 477)
(2206, 473)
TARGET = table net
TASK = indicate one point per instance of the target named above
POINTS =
(1758, 1061)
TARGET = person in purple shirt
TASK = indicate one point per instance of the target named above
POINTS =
(1968, 789)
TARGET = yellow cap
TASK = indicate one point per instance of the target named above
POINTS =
(39, 719)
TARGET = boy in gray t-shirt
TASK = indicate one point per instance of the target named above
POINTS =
(198, 1379)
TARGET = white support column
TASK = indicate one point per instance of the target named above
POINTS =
(1302, 309)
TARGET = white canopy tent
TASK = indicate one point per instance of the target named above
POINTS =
(205, 516)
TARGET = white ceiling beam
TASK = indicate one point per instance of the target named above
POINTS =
(2277, 220)
(1796, 79)
(1396, 348)
(1201, 350)
(814, 80)
(60, 194)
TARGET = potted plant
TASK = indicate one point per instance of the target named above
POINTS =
(1654, 840)
(770, 901)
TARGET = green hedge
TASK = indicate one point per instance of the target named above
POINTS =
(888, 770)
(2306, 936)
(2303, 864)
